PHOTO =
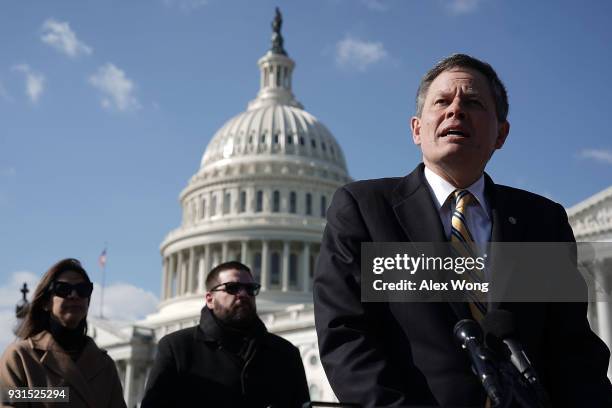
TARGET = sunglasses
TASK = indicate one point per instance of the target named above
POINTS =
(233, 288)
(64, 289)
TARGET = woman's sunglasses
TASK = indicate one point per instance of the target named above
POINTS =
(64, 289)
(233, 288)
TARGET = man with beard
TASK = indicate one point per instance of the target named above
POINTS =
(229, 359)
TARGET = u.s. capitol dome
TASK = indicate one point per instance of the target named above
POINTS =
(259, 196)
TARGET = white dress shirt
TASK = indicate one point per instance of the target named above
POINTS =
(478, 218)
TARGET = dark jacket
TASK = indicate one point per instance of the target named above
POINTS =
(402, 354)
(213, 366)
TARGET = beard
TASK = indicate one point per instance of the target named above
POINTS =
(238, 315)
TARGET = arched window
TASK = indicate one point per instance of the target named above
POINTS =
(275, 269)
(276, 201)
(213, 205)
(203, 209)
(292, 202)
(323, 206)
(308, 204)
(259, 201)
(293, 271)
(242, 207)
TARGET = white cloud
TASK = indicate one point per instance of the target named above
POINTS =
(376, 5)
(9, 296)
(116, 88)
(59, 36)
(35, 81)
(123, 301)
(463, 6)
(186, 6)
(352, 52)
(598, 155)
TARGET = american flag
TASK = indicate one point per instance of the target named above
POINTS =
(102, 259)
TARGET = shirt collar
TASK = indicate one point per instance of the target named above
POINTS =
(442, 189)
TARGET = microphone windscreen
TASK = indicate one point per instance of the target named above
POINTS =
(499, 323)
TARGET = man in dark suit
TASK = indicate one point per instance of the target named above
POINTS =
(402, 354)
(229, 359)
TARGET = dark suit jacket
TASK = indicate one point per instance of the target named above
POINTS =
(209, 366)
(398, 354)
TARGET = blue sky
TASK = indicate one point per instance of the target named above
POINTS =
(106, 107)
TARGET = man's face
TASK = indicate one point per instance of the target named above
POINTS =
(235, 310)
(458, 129)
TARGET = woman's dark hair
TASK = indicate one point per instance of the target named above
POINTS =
(37, 318)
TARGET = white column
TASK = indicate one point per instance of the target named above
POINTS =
(164, 278)
(285, 267)
(191, 270)
(264, 265)
(202, 271)
(306, 267)
(244, 256)
(171, 273)
(181, 274)
(207, 261)
(603, 308)
(128, 384)
(224, 251)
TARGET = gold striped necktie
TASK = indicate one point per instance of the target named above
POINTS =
(463, 243)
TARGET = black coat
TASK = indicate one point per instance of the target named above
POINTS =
(400, 354)
(211, 366)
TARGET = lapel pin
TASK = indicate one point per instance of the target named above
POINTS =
(512, 220)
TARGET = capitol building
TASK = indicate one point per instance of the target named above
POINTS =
(260, 196)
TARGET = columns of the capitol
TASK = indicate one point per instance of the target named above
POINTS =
(244, 256)
(191, 273)
(224, 251)
(128, 395)
(306, 267)
(182, 273)
(171, 275)
(603, 306)
(285, 267)
(264, 265)
(201, 269)
(163, 293)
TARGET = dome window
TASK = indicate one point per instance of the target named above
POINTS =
(276, 201)
(290, 139)
(293, 202)
(308, 204)
(226, 203)
(323, 146)
(275, 269)
(323, 206)
(213, 206)
(302, 140)
(293, 271)
(203, 209)
(259, 201)
(257, 267)
(313, 143)
(242, 207)
(276, 138)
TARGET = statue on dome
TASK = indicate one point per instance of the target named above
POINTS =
(277, 37)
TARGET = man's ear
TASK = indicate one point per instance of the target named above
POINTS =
(415, 125)
(502, 133)
(209, 300)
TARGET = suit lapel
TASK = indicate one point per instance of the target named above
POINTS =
(58, 361)
(506, 227)
(416, 212)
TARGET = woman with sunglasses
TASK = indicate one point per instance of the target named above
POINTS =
(54, 350)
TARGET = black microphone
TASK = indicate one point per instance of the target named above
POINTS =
(500, 329)
(469, 335)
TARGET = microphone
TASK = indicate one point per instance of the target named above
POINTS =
(469, 335)
(500, 329)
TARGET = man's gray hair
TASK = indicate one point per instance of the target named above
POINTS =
(465, 61)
